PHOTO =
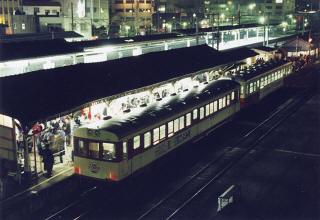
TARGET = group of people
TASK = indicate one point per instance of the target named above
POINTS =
(300, 61)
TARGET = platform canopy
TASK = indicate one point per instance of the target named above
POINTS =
(45, 94)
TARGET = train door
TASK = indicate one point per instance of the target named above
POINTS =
(126, 163)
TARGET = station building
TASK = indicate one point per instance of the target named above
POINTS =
(60, 100)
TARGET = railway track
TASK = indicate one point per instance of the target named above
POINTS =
(178, 199)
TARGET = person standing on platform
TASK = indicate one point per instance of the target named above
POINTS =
(48, 160)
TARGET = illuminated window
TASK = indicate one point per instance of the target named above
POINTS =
(136, 142)
(108, 151)
(155, 135)
(201, 112)
(207, 110)
(176, 125)
(181, 120)
(188, 119)
(125, 149)
(195, 114)
(211, 108)
(162, 132)
(147, 139)
(228, 100)
(232, 96)
(94, 149)
(215, 106)
(242, 90)
(170, 128)
(220, 104)
(251, 88)
(223, 102)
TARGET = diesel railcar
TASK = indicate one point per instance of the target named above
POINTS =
(116, 148)
(260, 80)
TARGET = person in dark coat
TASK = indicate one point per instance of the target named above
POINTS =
(48, 160)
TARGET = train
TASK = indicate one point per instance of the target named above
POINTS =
(118, 147)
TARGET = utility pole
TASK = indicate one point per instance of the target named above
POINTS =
(72, 25)
(218, 32)
(197, 28)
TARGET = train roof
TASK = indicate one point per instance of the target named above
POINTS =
(130, 123)
(45, 94)
(258, 69)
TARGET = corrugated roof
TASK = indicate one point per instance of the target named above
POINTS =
(42, 94)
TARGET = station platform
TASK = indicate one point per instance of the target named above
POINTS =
(24, 199)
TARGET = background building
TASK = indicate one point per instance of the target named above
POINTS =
(131, 17)
(275, 11)
(7, 10)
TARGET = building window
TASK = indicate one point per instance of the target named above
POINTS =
(147, 139)
(36, 10)
(23, 26)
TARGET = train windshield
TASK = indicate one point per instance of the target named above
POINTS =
(94, 149)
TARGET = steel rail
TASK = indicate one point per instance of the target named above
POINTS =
(221, 156)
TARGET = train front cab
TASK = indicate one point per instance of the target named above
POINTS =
(99, 159)
(249, 93)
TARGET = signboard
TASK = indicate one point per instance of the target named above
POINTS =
(7, 139)
(228, 197)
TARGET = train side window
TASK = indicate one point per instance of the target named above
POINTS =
(258, 83)
(228, 100)
(232, 95)
(251, 88)
(125, 150)
(170, 128)
(108, 151)
(220, 104)
(155, 136)
(201, 112)
(82, 150)
(223, 102)
(94, 150)
(136, 142)
(207, 110)
(176, 125)
(215, 106)
(147, 139)
(181, 124)
(195, 114)
(242, 90)
(188, 119)
(162, 132)
(211, 108)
